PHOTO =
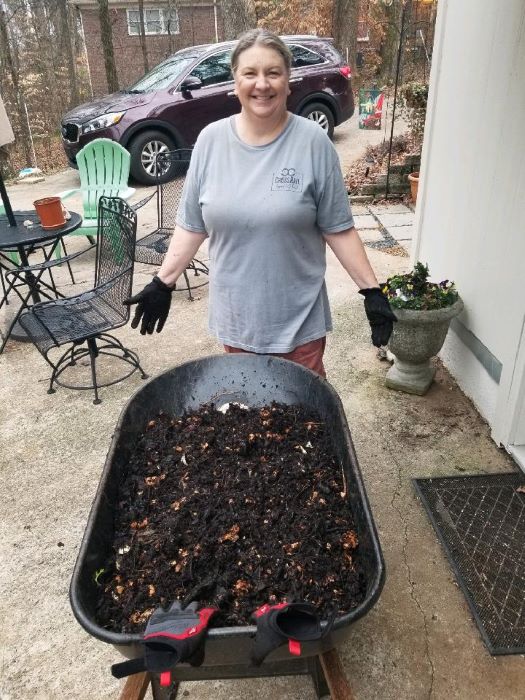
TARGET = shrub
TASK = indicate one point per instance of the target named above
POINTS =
(414, 98)
(415, 95)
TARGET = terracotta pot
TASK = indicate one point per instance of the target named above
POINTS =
(414, 183)
(50, 212)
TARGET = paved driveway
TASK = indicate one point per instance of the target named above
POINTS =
(351, 142)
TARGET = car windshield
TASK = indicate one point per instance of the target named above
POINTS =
(163, 75)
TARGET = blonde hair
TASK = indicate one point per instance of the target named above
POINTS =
(261, 37)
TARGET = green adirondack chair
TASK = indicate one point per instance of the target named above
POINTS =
(103, 167)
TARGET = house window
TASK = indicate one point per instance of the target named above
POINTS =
(156, 21)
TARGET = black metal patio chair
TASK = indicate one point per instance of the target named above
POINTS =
(16, 280)
(83, 321)
(151, 249)
(9, 267)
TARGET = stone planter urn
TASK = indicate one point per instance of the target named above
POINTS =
(417, 336)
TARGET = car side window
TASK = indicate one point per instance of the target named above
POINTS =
(214, 69)
(304, 57)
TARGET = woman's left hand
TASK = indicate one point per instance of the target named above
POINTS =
(379, 314)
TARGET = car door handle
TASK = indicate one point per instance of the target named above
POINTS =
(231, 93)
(295, 80)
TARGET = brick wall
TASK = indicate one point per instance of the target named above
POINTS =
(197, 26)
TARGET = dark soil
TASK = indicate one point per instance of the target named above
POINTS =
(231, 509)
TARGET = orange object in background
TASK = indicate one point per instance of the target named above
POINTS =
(50, 212)
(414, 184)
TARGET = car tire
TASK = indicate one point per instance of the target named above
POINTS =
(321, 115)
(143, 150)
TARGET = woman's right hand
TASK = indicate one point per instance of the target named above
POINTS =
(153, 306)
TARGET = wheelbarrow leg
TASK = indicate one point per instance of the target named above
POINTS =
(136, 687)
(334, 674)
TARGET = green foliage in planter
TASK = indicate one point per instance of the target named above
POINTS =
(414, 291)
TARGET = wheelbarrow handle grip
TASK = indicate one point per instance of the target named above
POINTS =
(128, 668)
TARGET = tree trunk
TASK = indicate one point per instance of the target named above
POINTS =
(5, 48)
(106, 34)
(238, 16)
(172, 6)
(344, 22)
(192, 20)
(142, 32)
(68, 51)
(47, 62)
(390, 45)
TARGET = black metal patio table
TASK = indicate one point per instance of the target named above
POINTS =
(22, 239)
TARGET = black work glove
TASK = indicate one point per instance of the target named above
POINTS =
(172, 636)
(153, 306)
(285, 622)
(379, 314)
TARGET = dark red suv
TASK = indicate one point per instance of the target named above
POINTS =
(168, 107)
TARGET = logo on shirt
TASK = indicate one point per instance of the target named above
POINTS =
(288, 179)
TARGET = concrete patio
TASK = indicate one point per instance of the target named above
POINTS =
(419, 640)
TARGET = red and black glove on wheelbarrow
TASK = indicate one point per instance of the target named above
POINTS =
(172, 636)
(283, 623)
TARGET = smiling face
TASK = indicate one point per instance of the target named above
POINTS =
(261, 83)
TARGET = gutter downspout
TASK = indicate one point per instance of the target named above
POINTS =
(434, 83)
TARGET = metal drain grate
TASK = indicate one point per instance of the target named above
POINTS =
(480, 521)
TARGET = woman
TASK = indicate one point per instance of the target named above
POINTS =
(266, 187)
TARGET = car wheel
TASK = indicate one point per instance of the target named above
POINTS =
(144, 150)
(320, 114)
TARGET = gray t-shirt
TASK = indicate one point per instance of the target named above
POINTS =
(264, 209)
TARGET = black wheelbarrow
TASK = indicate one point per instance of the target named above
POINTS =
(253, 380)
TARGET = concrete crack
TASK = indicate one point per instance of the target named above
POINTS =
(410, 580)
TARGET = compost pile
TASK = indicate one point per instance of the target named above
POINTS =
(233, 508)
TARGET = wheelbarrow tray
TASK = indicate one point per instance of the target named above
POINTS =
(253, 380)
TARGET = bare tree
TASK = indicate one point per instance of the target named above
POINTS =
(344, 22)
(66, 36)
(42, 59)
(106, 34)
(173, 10)
(42, 44)
(296, 16)
(388, 18)
(192, 20)
(142, 32)
(238, 16)
(12, 71)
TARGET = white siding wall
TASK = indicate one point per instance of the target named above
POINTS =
(471, 209)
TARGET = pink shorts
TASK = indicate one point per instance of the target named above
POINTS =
(309, 355)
